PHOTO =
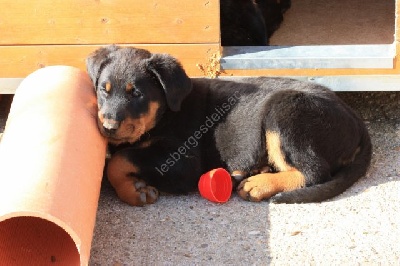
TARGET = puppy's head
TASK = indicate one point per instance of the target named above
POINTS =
(134, 88)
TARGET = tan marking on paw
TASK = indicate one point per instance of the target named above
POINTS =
(264, 186)
(130, 189)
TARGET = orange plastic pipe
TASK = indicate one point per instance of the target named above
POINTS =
(51, 165)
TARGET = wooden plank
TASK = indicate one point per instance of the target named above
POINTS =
(397, 29)
(108, 21)
(19, 61)
(397, 36)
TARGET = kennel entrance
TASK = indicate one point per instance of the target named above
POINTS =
(345, 45)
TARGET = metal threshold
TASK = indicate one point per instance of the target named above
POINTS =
(308, 57)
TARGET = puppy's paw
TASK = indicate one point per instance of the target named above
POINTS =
(262, 170)
(237, 177)
(148, 194)
(256, 188)
(135, 192)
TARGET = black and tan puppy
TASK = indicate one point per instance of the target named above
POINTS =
(243, 24)
(250, 22)
(282, 139)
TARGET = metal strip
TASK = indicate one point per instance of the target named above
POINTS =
(308, 57)
(357, 83)
(351, 83)
(9, 85)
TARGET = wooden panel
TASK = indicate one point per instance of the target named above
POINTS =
(108, 21)
(397, 23)
(19, 61)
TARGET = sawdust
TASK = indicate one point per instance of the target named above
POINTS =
(212, 68)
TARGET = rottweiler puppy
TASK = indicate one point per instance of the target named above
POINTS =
(281, 139)
(243, 24)
(273, 11)
(250, 22)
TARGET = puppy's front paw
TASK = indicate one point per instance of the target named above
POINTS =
(257, 188)
(135, 192)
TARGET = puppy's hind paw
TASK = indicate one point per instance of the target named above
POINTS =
(257, 188)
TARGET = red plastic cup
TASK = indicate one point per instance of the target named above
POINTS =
(216, 185)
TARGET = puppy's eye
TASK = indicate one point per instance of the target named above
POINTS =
(132, 90)
(136, 93)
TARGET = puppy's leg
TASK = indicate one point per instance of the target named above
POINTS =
(266, 185)
(238, 176)
(130, 189)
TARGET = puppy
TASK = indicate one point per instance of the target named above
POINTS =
(281, 139)
(250, 22)
(272, 12)
(242, 24)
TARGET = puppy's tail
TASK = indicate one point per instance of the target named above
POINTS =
(342, 180)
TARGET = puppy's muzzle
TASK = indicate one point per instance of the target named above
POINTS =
(110, 126)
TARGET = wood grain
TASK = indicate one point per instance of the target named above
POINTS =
(19, 61)
(108, 21)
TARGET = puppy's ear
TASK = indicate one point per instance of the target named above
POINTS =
(97, 60)
(176, 84)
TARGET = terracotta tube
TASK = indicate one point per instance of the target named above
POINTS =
(51, 165)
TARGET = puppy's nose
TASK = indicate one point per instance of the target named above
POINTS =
(110, 125)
